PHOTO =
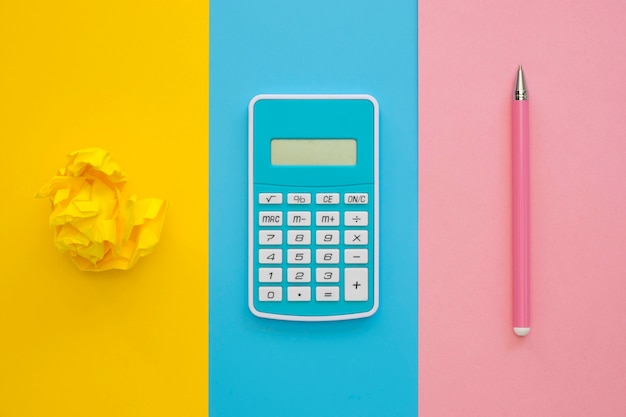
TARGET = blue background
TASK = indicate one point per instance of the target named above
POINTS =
(360, 368)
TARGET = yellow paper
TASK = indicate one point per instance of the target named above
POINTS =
(94, 223)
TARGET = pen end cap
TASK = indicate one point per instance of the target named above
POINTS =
(521, 331)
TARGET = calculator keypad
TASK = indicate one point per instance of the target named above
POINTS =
(313, 248)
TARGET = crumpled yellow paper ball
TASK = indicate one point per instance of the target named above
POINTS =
(94, 223)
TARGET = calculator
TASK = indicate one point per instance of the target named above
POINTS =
(313, 207)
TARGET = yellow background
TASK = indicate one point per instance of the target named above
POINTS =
(130, 77)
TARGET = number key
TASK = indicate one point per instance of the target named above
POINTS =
(270, 256)
(299, 256)
(327, 237)
(327, 275)
(270, 274)
(299, 237)
(270, 237)
(299, 275)
(327, 256)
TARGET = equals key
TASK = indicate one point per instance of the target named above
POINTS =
(325, 293)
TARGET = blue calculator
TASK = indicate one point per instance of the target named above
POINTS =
(313, 207)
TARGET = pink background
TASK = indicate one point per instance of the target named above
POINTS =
(573, 362)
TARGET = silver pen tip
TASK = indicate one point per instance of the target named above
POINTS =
(521, 93)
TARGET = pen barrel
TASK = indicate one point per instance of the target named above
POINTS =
(521, 215)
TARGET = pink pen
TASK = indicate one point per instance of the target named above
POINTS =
(521, 209)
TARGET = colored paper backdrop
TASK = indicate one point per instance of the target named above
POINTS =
(130, 77)
(355, 368)
(574, 55)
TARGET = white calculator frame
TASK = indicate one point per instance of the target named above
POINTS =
(251, 202)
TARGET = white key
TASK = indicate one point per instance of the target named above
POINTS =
(299, 237)
(355, 256)
(299, 256)
(270, 218)
(327, 237)
(299, 198)
(270, 256)
(355, 237)
(270, 237)
(355, 218)
(270, 275)
(324, 293)
(270, 293)
(327, 198)
(327, 256)
(327, 218)
(355, 198)
(355, 284)
(299, 218)
(298, 274)
(327, 275)
(270, 198)
(298, 293)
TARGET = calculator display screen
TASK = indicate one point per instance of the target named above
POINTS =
(338, 152)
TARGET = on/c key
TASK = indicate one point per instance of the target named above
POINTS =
(355, 198)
